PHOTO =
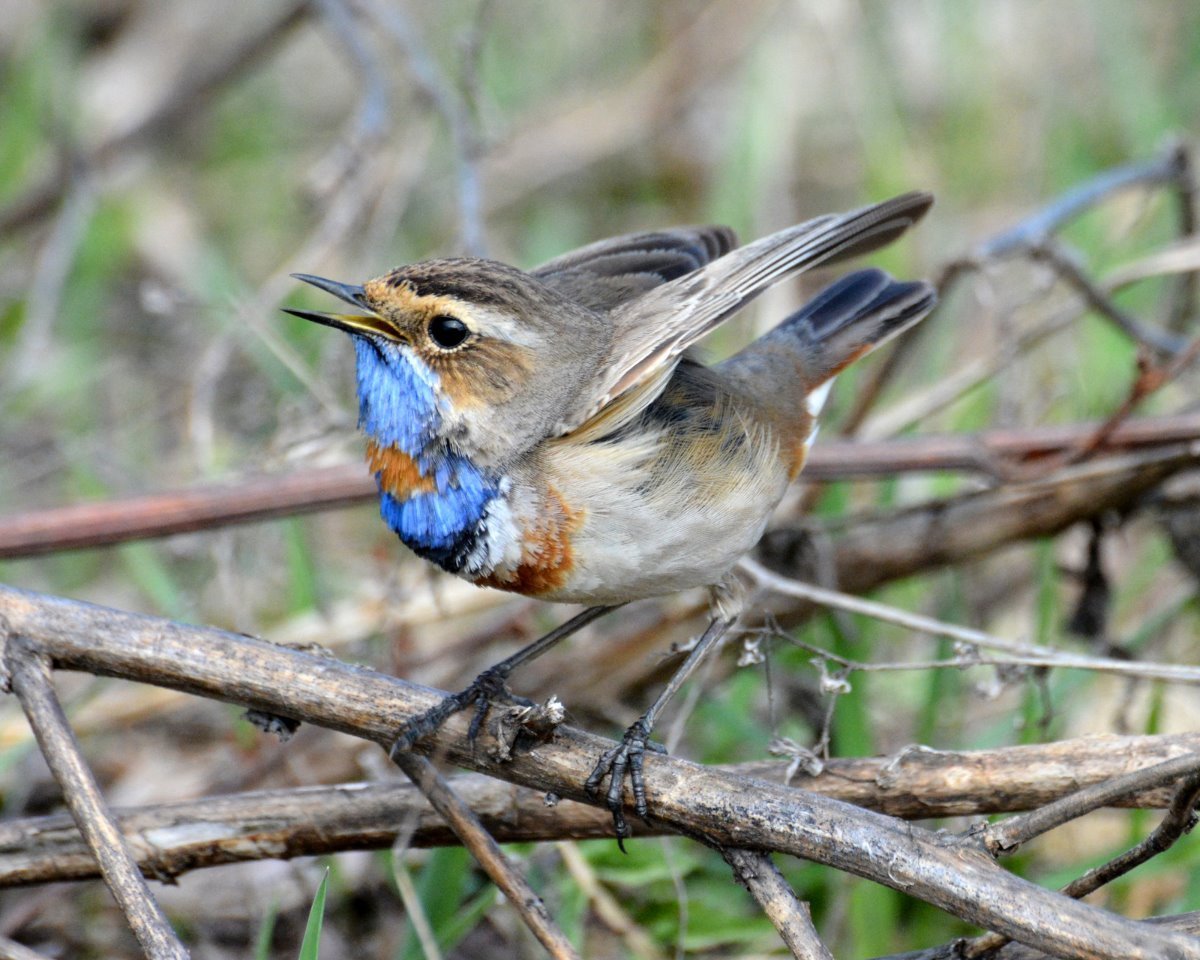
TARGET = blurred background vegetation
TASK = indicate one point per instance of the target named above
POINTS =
(163, 166)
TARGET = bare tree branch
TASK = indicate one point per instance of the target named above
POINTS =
(732, 811)
(771, 891)
(868, 550)
(1184, 923)
(279, 495)
(1023, 654)
(1006, 836)
(487, 854)
(1163, 170)
(29, 673)
(1180, 818)
(11, 950)
(171, 839)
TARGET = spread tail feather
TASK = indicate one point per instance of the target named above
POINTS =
(852, 317)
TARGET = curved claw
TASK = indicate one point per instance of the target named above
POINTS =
(483, 706)
(485, 689)
(627, 756)
(428, 722)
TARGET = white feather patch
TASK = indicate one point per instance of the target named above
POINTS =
(498, 545)
(815, 401)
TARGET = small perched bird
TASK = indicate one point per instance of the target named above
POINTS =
(546, 432)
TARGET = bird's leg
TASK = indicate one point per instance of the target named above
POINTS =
(488, 686)
(628, 756)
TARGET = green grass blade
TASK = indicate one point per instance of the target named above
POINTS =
(309, 946)
(266, 933)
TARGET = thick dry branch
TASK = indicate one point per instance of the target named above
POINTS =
(171, 839)
(732, 811)
(1183, 922)
(29, 673)
(281, 495)
(867, 551)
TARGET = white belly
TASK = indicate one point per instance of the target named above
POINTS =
(656, 519)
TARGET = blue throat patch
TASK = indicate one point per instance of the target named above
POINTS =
(399, 405)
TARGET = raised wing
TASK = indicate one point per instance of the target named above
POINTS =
(610, 272)
(651, 331)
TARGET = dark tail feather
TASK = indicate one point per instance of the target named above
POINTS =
(854, 315)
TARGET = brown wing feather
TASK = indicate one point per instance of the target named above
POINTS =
(654, 329)
(610, 272)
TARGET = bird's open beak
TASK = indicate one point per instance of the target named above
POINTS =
(349, 322)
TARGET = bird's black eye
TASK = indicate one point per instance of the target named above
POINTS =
(448, 332)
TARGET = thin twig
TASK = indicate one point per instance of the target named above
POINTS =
(487, 854)
(962, 662)
(954, 384)
(1008, 835)
(29, 671)
(1150, 379)
(790, 916)
(1184, 303)
(1030, 654)
(1052, 253)
(454, 110)
(1180, 818)
(1049, 220)
(11, 950)
(1034, 237)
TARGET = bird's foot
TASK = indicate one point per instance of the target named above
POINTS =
(486, 689)
(626, 757)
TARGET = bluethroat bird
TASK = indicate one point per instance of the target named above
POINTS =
(547, 432)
